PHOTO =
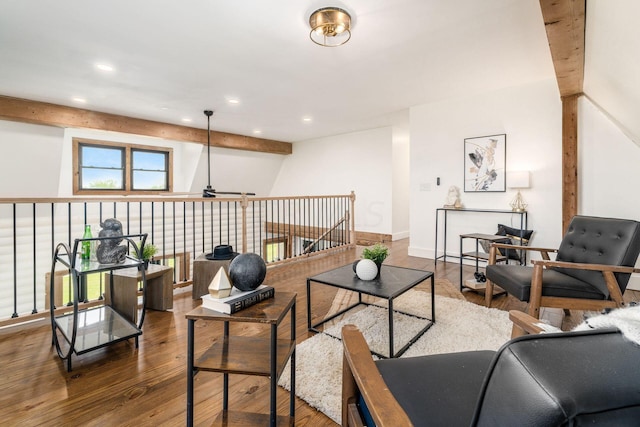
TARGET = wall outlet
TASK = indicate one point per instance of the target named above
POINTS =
(425, 187)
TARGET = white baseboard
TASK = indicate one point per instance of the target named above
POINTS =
(420, 252)
(399, 236)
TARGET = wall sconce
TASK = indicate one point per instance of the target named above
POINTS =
(518, 180)
(330, 26)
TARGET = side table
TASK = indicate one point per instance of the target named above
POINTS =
(204, 270)
(125, 287)
(478, 256)
(246, 355)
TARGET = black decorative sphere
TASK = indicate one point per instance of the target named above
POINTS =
(247, 271)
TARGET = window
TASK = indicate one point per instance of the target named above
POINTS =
(101, 166)
(149, 170)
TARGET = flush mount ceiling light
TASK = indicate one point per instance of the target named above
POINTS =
(330, 26)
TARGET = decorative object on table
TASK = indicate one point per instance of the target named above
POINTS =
(238, 299)
(221, 252)
(376, 253)
(518, 180)
(513, 236)
(85, 253)
(109, 250)
(453, 198)
(484, 163)
(247, 271)
(148, 251)
(366, 269)
(220, 286)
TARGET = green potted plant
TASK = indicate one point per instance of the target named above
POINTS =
(148, 251)
(376, 253)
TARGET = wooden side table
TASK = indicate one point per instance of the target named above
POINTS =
(125, 289)
(204, 270)
(246, 355)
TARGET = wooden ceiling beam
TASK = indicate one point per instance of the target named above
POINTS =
(564, 21)
(22, 110)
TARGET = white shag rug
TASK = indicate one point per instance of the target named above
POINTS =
(459, 326)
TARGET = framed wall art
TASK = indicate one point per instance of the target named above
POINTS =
(485, 163)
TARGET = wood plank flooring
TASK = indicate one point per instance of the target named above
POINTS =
(123, 386)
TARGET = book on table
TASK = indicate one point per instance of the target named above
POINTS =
(238, 299)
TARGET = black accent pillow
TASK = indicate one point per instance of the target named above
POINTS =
(513, 236)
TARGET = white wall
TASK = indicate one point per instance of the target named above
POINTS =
(530, 116)
(611, 67)
(608, 170)
(359, 162)
(240, 171)
(401, 181)
(30, 160)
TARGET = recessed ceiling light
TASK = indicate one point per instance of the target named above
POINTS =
(257, 131)
(233, 101)
(79, 100)
(306, 119)
(187, 120)
(104, 67)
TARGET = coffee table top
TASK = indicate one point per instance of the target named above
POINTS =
(393, 281)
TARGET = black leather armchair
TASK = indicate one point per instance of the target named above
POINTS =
(591, 270)
(560, 379)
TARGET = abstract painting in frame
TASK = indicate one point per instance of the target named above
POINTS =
(485, 163)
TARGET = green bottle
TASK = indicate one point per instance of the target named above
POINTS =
(86, 245)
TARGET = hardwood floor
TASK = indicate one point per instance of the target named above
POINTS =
(122, 386)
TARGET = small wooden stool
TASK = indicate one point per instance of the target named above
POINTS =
(125, 289)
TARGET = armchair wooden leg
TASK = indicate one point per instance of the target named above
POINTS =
(488, 293)
(535, 295)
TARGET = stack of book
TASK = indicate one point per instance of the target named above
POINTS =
(238, 299)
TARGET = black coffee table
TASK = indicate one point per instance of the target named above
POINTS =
(390, 284)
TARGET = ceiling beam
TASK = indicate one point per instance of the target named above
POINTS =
(564, 21)
(23, 110)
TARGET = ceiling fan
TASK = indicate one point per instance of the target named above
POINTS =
(208, 191)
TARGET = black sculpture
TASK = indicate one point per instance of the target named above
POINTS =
(109, 250)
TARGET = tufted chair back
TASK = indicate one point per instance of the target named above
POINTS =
(594, 240)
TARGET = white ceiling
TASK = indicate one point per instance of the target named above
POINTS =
(173, 59)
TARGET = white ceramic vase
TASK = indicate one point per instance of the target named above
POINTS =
(366, 269)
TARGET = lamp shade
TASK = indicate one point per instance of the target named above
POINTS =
(520, 179)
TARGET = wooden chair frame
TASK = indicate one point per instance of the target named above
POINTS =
(536, 300)
(360, 376)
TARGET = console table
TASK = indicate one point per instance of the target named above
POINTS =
(445, 212)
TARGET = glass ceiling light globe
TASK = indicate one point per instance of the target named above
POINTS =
(330, 26)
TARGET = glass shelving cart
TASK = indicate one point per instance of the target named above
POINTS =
(81, 330)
